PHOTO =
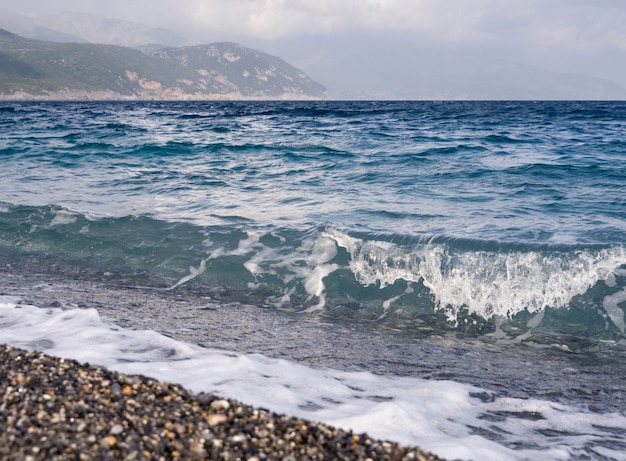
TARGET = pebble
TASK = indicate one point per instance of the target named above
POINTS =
(54, 409)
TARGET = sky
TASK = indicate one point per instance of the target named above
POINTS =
(389, 45)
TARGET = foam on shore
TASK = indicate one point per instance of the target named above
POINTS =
(454, 420)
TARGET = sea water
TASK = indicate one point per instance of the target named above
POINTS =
(447, 274)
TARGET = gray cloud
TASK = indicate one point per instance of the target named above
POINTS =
(581, 23)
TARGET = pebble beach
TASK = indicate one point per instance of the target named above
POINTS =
(55, 408)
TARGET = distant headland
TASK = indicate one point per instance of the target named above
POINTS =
(43, 70)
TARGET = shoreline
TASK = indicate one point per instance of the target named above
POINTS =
(186, 315)
(55, 408)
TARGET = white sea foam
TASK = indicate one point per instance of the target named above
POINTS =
(308, 263)
(62, 217)
(454, 420)
(613, 311)
(488, 284)
(193, 273)
(485, 283)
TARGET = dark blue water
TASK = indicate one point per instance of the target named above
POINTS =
(502, 218)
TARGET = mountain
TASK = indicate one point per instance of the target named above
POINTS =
(34, 28)
(33, 69)
(381, 67)
(493, 79)
(229, 67)
(73, 27)
(96, 29)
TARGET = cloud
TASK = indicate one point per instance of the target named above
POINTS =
(573, 23)
(274, 19)
(582, 24)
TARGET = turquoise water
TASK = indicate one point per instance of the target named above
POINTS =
(468, 215)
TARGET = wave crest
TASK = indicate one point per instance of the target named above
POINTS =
(484, 283)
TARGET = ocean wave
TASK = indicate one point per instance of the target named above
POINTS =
(355, 274)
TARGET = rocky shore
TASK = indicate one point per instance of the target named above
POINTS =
(53, 408)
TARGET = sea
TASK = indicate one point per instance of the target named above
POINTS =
(447, 274)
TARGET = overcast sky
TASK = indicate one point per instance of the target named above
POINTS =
(336, 40)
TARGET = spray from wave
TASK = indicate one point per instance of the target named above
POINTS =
(484, 283)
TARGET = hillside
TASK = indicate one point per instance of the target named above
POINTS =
(230, 67)
(33, 69)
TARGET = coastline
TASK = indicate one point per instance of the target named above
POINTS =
(55, 408)
(166, 95)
